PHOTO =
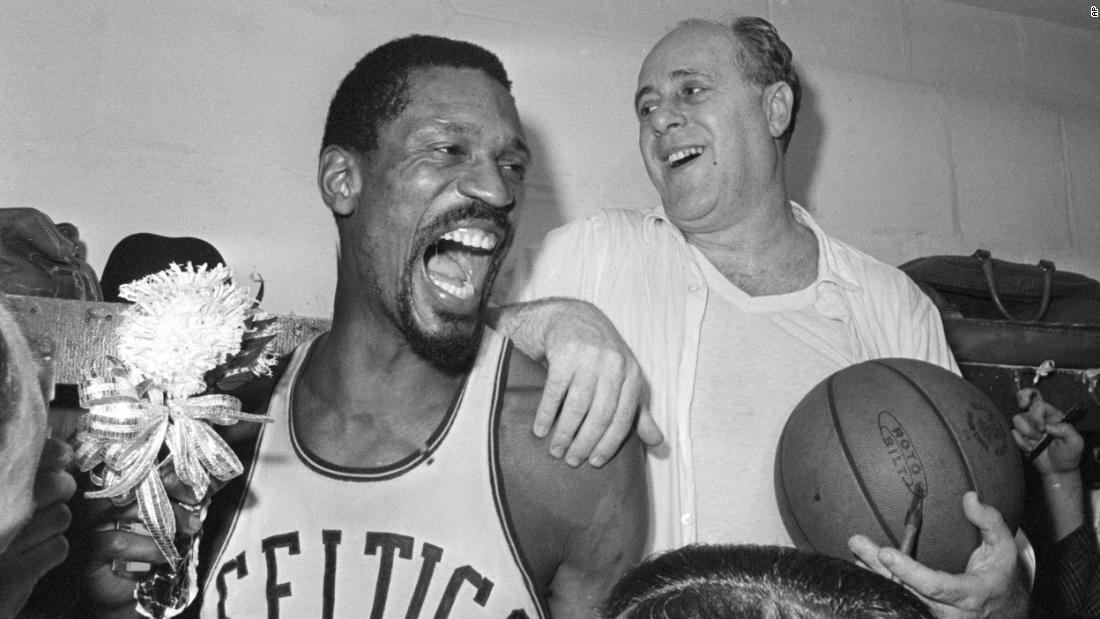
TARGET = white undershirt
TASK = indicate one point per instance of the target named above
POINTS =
(741, 402)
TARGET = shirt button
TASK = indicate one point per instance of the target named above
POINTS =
(830, 303)
(693, 287)
(687, 519)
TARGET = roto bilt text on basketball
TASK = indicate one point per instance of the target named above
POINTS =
(401, 587)
(902, 452)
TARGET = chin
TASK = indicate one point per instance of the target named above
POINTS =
(453, 353)
(449, 342)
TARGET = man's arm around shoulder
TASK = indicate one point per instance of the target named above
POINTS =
(580, 528)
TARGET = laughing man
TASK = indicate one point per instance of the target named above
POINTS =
(400, 473)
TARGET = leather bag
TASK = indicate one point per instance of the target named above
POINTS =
(1001, 312)
(44, 259)
(1004, 319)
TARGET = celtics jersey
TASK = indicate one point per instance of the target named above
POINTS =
(428, 536)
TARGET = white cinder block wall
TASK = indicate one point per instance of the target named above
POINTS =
(928, 127)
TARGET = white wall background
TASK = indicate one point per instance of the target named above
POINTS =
(928, 127)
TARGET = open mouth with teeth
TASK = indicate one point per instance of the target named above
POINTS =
(683, 156)
(460, 262)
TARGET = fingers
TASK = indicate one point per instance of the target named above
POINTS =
(188, 510)
(19, 571)
(56, 454)
(586, 397)
(176, 489)
(46, 523)
(122, 551)
(1021, 441)
(601, 425)
(987, 519)
(13, 595)
(557, 382)
(1059, 429)
(1028, 426)
(1026, 431)
(1042, 419)
(125, 542)
(621, 424)
(109, 588)
(935, 585)
(648, 430)
(990, 572)
(1037, 410)
(1037, 413)
(53, 486)
(1031, 424)
(34, 560)
(593, 386)
(599, 404)
(39, 547)
(896, 565)
(98, 512)
(188, 518)
(1026, 396)
(866, 552)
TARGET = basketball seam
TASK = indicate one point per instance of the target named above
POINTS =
(864, 491)
(783, 496)
(968, 465)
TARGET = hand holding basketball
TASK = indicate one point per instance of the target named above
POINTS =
(991, 586)
(864, 441)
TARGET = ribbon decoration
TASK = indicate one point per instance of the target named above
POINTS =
(125, 427)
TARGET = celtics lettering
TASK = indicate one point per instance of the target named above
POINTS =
(386, 551)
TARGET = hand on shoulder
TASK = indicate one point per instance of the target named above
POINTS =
(594, 393)
(581, 527)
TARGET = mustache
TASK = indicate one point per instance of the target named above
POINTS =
(474, 209)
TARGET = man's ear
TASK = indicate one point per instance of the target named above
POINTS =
(338, 179)
(778, 101)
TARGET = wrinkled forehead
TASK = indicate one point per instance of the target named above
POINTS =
(465, 96)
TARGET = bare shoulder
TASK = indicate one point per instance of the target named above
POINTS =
(527, 457)
(584, 524)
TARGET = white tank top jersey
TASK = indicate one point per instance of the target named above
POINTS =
(428, 536)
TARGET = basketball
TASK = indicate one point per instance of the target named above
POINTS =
(863, 441)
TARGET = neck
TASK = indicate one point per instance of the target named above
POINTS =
(765, 251)
(365, 398)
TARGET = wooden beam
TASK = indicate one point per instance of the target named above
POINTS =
(83, 330)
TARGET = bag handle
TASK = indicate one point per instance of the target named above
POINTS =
(987, 270)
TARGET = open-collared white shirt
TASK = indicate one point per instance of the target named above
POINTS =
(639, 269)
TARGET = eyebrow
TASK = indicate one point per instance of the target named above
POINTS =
(678, 74)
(449, 127)
(520, 145)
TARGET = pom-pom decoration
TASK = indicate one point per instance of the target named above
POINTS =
(189, 329)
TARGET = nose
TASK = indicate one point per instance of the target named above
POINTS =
(484, 182)
(666, 116)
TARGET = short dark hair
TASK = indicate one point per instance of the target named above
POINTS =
(376, 90)
(756, 582)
